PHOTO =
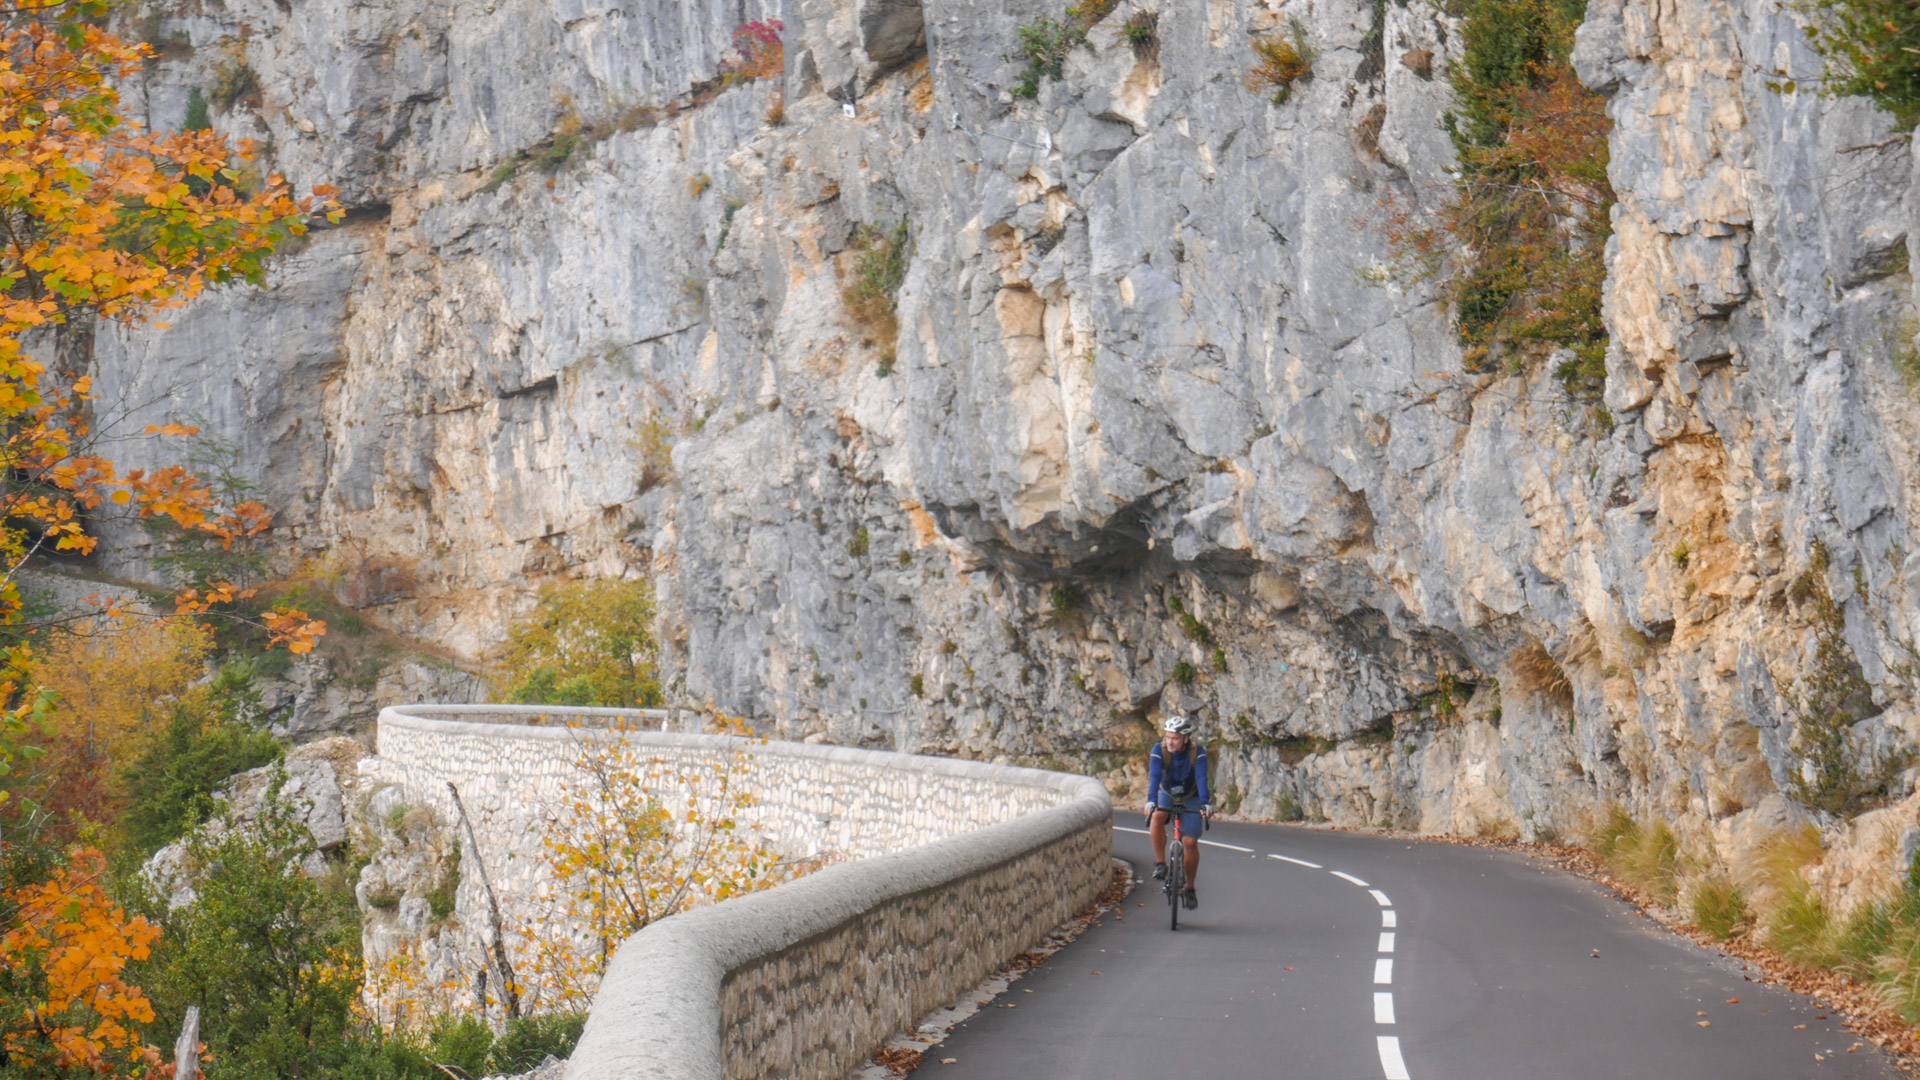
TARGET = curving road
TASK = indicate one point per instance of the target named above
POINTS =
(1448, 963)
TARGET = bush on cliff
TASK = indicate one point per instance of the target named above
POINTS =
(586, 643)
(269, 949)
(1519, 245)
(210, 734)
(1871, 48)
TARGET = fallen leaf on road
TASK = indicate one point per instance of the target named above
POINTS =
(1703, 1023)
(1817, 1057)
(1799, 1027)
(1096, 973)
(949, 1061)
(1289, 969)
(1733, 1001)
(897, 1060)
(1699, 1014)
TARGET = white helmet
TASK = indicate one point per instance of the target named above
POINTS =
(1177, 725)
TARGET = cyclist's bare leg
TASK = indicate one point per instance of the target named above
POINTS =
(1192, 844)
(1157, 833)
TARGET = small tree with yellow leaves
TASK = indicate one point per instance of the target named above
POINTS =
(635, 839)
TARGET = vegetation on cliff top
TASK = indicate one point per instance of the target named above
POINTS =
(1871, 48)
(1519, 244)
(1045, 44)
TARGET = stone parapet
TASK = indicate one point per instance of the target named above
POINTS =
(950, 869)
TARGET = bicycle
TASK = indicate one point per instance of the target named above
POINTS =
(1176, 880)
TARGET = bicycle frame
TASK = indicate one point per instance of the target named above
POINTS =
(1176, 855)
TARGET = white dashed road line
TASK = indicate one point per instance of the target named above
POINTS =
(1209, 843)
(1391, 1062)
(1390, 1059)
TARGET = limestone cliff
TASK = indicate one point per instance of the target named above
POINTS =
(1154, 434)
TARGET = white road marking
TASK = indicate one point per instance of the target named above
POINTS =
(1213, 843)
(1390, 1059)
(1391, 1062)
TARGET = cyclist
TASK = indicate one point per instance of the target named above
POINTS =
(1177, 774)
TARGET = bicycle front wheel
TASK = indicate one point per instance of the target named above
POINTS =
(1176, 879)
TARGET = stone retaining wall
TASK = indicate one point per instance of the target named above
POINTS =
(953, 867)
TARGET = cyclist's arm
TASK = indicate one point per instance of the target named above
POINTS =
(1153, 776)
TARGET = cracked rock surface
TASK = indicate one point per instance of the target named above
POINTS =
(1152, 436)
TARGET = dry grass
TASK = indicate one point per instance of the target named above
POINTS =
(1720, 908)
(871, 294)
(1645, 856)
(1283, 61)
(1536, 672)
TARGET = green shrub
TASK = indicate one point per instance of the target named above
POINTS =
(1520, 250)
(503, 174)
(527, 1041)
(871, 296)
(198, 118)
(917, 685)
(1871, 48)
(1287, 808)
(208, 736)
(1183, 673)
(1064, 600)
(1826, 699)
(857, 547)
(233, 83)
(269, 954)
(440, 899)
(1142, 31)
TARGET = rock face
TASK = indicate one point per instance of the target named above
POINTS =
(1150, 438)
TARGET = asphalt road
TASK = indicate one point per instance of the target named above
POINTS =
(1283, 972)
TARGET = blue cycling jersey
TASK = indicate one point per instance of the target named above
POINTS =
(1177, 778)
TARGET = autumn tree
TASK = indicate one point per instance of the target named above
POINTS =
(637, 837)
(100, 220)
(585, 643)
(65, 1007)
(101, 687)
